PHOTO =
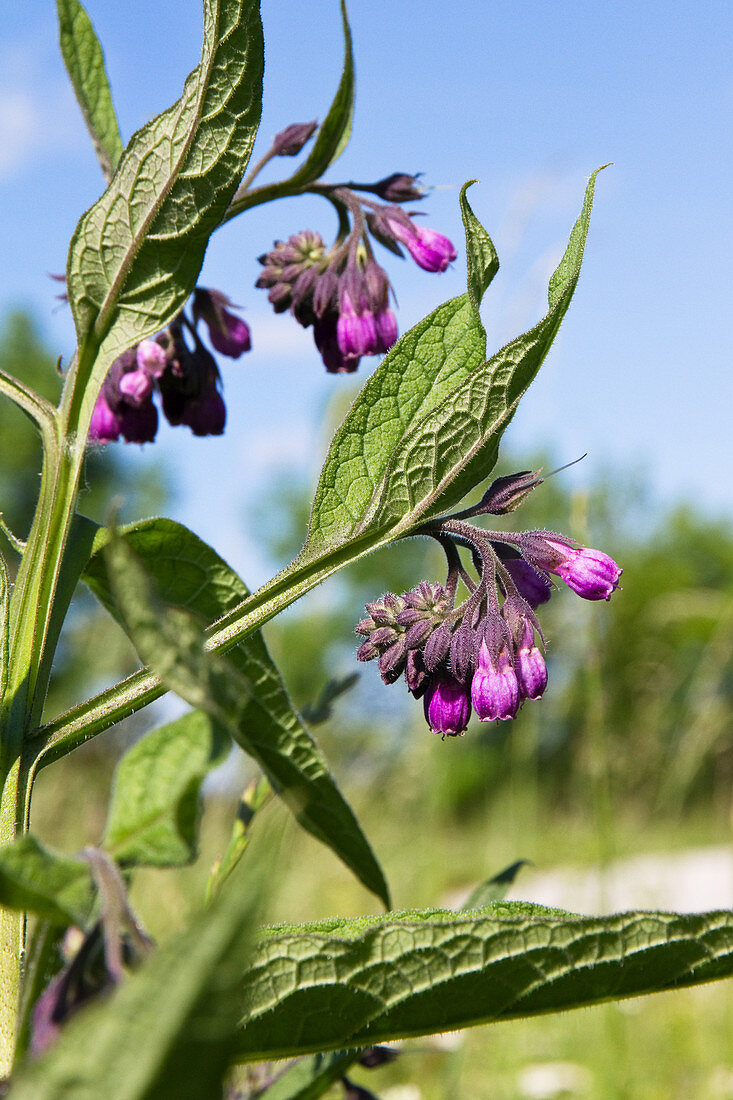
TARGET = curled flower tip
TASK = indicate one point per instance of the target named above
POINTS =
(229, 334)
(494, 687)
(291, 140)
(590, 573)
(529, 666)
(105, 426)
(429, 249)
(399, 187)
(447, 706)
(532, 587)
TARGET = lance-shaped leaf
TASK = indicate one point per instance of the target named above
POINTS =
(136, 253)
(365, 981)
(54, 887)
(311, 1077)
(84, 62)
(454, 448)
(168, 1032)
(425, 366)
(495, 888)
(154, 812)
(242, 692)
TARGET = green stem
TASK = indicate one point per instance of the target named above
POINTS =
(31, 640)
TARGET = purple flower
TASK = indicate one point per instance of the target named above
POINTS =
(136, 386)
(105, 426)
(590, 573)
(429, 249)
(447, 706)
(494, 687)
(529, 666)
(532, 586)
(139, 423)
(228, 333)
(355, 330)
(385, 324)
(151, 358)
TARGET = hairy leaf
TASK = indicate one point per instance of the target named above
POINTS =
(424, 367)
(136, 253)
(154, 812)
(54, 887)
(167, 1033)
(359, 982)
(84, 62)
(454, 448)
(243, 691)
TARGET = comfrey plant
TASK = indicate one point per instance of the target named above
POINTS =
(481, 655)
(88, 1005)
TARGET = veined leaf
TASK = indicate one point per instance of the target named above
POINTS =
(84, 62)
(359, 982)
(54, 887)
(425, 366)
(168, 1032)
(154, 811)
(243, 692)
(136, 253)
(454, 447)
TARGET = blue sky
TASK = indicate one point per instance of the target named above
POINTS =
(528, 98)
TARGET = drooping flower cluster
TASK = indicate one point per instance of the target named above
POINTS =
(482, 655)
(178, 367)
(342, 291)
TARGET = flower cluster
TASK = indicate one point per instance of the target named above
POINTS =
(185, 377)
(342, 291)
(482, 655)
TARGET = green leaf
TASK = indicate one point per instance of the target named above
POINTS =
(135, 255)
(365, 981)
(333, 134)
(454, 448)
(494, 889)
(168, 1032)
(243, 692)
(155, 809)
(55, 887)
(421, 371)
(84, 62)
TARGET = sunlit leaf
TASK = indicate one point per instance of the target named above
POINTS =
(154, 811)
(54, 887)
(84, 62)
(242, 691)
(136, 253)
(358, 982)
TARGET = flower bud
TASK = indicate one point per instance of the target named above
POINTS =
(505, 494)
(105, 426)
(590, 573)
(494, 688)
(399, 187)
(356, 332)
(228, 333)
(529, 666)
(136, 386)
(291, 140)
(447, 706)
(429, 249)
(151, 358)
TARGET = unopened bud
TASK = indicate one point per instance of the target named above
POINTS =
(291, 140)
